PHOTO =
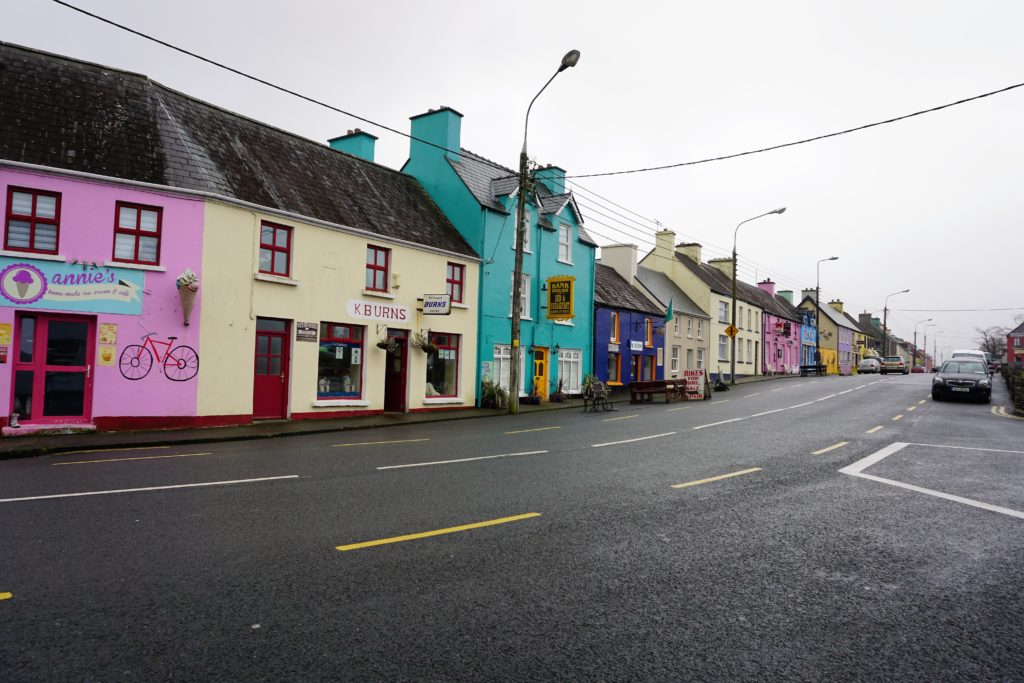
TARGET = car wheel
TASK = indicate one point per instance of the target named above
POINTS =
(935, 396)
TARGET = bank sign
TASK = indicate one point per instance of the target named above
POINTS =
(560, 297)
(28, 283)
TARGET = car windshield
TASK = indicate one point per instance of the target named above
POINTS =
(969, 367)
(892, 359)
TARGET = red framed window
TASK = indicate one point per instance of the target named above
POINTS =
(340, 365)
(455, 279)
(275, 249)
(378, 261)
(443, 365)
(33, 220)
(137, 233)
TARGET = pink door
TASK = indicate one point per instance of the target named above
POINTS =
(270, 382)
(53, 359)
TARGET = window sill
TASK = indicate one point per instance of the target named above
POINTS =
(442, 400)
(379, 295)
(564, 323)
(568, 263)
(614, 384)
(134, 266)
(31, 255)
(341, 403)
(460, 305)
(265, 277)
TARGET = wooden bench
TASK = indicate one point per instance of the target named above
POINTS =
(806, 370)
(670, 389)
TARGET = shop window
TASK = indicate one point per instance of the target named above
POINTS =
(33, 221)
(613, 367)
(570, 369)
(137, 233)
(648, 368)
(378, 262)
(455, 279)
(443, 365)
(501, 371)
(275, 249)
(340, 364)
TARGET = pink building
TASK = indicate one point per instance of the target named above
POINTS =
(781, 336)
(92, 329)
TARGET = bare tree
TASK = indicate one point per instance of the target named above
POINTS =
(993, 340)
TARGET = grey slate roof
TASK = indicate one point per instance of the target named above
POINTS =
(856, 324)
(773, 305)
(612, 291)
(74, 115)
(1018, 331)
(832, 314)
(665, 291)
(488, 180)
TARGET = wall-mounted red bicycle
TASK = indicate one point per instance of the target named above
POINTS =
(180, 363)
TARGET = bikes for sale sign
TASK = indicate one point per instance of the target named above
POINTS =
(30, 283)
(694, 382)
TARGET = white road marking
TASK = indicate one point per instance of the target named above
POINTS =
(780, 389)
(624, 417)
(860, 387)
(642, 438)
(753, 395)
(723, 422)
(857, 470)
(767, 412)
(449, 462)
(148, 488)
(967, 448)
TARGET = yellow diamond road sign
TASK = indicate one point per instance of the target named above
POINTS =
(731, 330)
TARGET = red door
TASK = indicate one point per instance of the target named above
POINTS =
(53, 359)
(395, 373)
(270, 384)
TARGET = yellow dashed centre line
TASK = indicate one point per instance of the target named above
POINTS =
(6, 596)
(436, 532)
(142, 457)
(911, 408)
(115, 450)
(719, 477)
(624, 417)
(830, 448)
(873, 429)
(898, 417)
(538, 429)
(377, 443)
(922, 401)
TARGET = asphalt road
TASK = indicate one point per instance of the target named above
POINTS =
(251, 562)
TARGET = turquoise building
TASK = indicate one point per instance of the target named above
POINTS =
(479, 197)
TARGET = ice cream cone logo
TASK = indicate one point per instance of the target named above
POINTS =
(22, 283)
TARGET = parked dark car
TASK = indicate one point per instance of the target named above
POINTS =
(962, 377)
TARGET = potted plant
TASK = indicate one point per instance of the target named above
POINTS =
(492, 395)
(421, 340)
(389, 344)
(559, 394)
(588, 381)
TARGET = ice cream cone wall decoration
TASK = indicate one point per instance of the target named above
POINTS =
(188, 285)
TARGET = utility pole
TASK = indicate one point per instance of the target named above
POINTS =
(817, 310)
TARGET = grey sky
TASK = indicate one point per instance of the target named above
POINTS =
(660, 83)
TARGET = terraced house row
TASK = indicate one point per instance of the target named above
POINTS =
(168, 263)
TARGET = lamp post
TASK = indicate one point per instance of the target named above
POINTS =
(732, 354)
(569, 60)
(817, 310)
(885, 322)
(927, 320)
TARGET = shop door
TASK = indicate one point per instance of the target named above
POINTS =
(634, 368)
(270, 383)
(540, 372)
(53, 358)
(395, 373)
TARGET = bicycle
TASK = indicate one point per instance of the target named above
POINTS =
(179, 364)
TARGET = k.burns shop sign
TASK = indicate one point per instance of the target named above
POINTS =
(372, 310)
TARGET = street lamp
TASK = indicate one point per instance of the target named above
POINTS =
(569, 60)
(885, 322)
(925, 344)
(817, 310)
(926, 320)
(732, 360)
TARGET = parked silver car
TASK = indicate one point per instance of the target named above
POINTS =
(869, 366)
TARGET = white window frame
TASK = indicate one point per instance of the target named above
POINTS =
(689, 359)
(689, 328)
(723, 311)
(700, 329)
(570, 368)
(675, 326)
(501, 370)
(565, 231)
(524, 296)
(700, 359)
(723, 347)
(739, 317)
(739, 351)
(750, 348)
(675, 359)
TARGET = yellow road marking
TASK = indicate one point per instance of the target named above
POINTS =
(873, 429)
(624, 417)
(830, 448)
(721, 476)
(1001, 412)
(377, 443)
(114, 450)
(898, 417)
(911, 408)
(436, 532)
(6, 596)
(922, 401)
(145, 457)
(538, 429)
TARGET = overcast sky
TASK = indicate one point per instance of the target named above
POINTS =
(933, 204)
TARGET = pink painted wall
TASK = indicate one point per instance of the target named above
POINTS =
(87, 217)
(789, 343)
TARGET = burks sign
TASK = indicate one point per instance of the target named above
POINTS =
(70, 287)
(371, 310)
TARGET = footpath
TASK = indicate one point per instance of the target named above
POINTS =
(43, 443)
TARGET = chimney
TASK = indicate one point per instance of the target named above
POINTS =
(787, 294)
(836, 304)
(355, 142)
(441, 127)
(622, 259)
(688, 249)
(553, 177)
(663, 241)
(804, 293)
(723, 264)
(865, 320)
(767, 286)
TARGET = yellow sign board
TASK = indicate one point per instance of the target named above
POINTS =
(731, 330)
(560, 297)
